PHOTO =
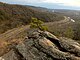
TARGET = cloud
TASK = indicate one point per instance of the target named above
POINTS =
(23, 1)
(35, 1)
(75, 3)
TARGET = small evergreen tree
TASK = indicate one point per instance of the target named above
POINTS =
(35, 23)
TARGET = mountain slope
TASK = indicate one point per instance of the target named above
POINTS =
(12, 16)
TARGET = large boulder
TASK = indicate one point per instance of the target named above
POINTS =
(44, 46)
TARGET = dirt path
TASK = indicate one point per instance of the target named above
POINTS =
(58, 22)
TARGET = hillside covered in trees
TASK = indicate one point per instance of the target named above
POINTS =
(12, 16)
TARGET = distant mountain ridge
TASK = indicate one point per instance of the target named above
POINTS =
(41, 9)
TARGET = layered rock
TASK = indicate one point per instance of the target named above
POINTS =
(44, 46)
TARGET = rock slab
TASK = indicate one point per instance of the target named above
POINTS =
(44, 46)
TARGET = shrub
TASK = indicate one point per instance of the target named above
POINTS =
(35, 23)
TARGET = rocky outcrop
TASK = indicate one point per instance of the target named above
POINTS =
(41, 45)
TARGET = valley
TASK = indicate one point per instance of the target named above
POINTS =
(21, 36)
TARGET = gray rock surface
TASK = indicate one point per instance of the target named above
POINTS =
(44, 46)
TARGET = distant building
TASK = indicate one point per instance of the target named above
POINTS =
(72, 20)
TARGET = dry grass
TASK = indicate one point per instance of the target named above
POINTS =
(12, 37)
(6, 46)
(3, 47)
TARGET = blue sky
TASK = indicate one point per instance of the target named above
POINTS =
(53, 4)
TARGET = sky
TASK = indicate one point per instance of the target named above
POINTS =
(53, 4)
